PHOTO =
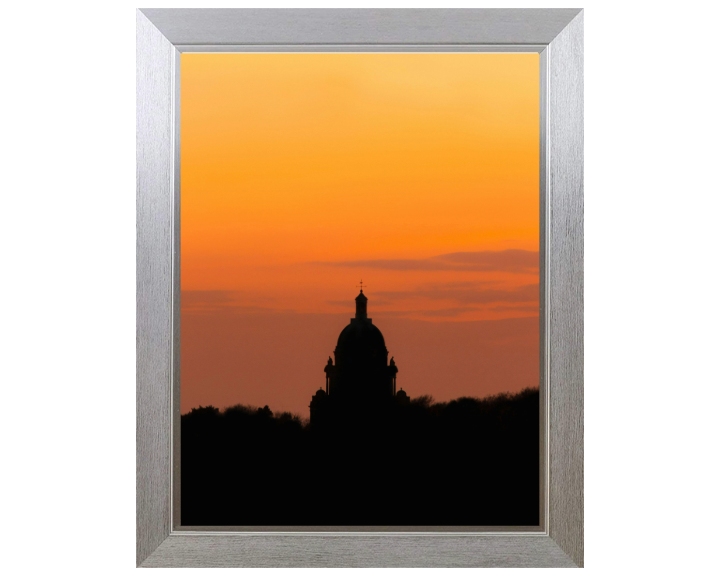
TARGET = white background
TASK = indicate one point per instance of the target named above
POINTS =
(67, 286)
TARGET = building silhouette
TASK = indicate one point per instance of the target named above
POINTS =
(360, 380)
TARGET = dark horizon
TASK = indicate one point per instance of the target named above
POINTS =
(424, 398)
(459, 463)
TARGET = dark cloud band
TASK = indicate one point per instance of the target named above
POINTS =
(516, 261)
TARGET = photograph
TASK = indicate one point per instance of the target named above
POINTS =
(360, 238)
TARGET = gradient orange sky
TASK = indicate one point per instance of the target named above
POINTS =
(303, 173)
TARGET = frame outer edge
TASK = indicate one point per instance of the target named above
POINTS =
(360, 25)
(154, 60)
(155, 189)
(357, 551)
(565, 270)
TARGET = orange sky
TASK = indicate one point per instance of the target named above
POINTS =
(303, 173)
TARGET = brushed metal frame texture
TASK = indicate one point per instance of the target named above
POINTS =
(162, 35)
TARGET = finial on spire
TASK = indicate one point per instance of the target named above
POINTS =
(361, 285)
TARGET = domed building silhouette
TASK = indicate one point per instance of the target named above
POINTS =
(360, 379)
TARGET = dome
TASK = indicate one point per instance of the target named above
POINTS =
(361, 334)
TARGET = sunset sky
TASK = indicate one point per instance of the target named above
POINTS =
(302, 174)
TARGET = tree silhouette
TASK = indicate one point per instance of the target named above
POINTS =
(467, 462)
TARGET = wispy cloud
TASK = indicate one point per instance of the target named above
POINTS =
(208, 297)
(516, 261)
(478, 294)
(463, 297)
(446, 312)
(504, 308)
(213, 300)
(437, 313)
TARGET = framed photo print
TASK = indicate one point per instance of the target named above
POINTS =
(359, 288)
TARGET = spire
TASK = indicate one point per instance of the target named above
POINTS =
(361, 306)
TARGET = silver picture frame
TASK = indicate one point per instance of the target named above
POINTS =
(162, 36)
